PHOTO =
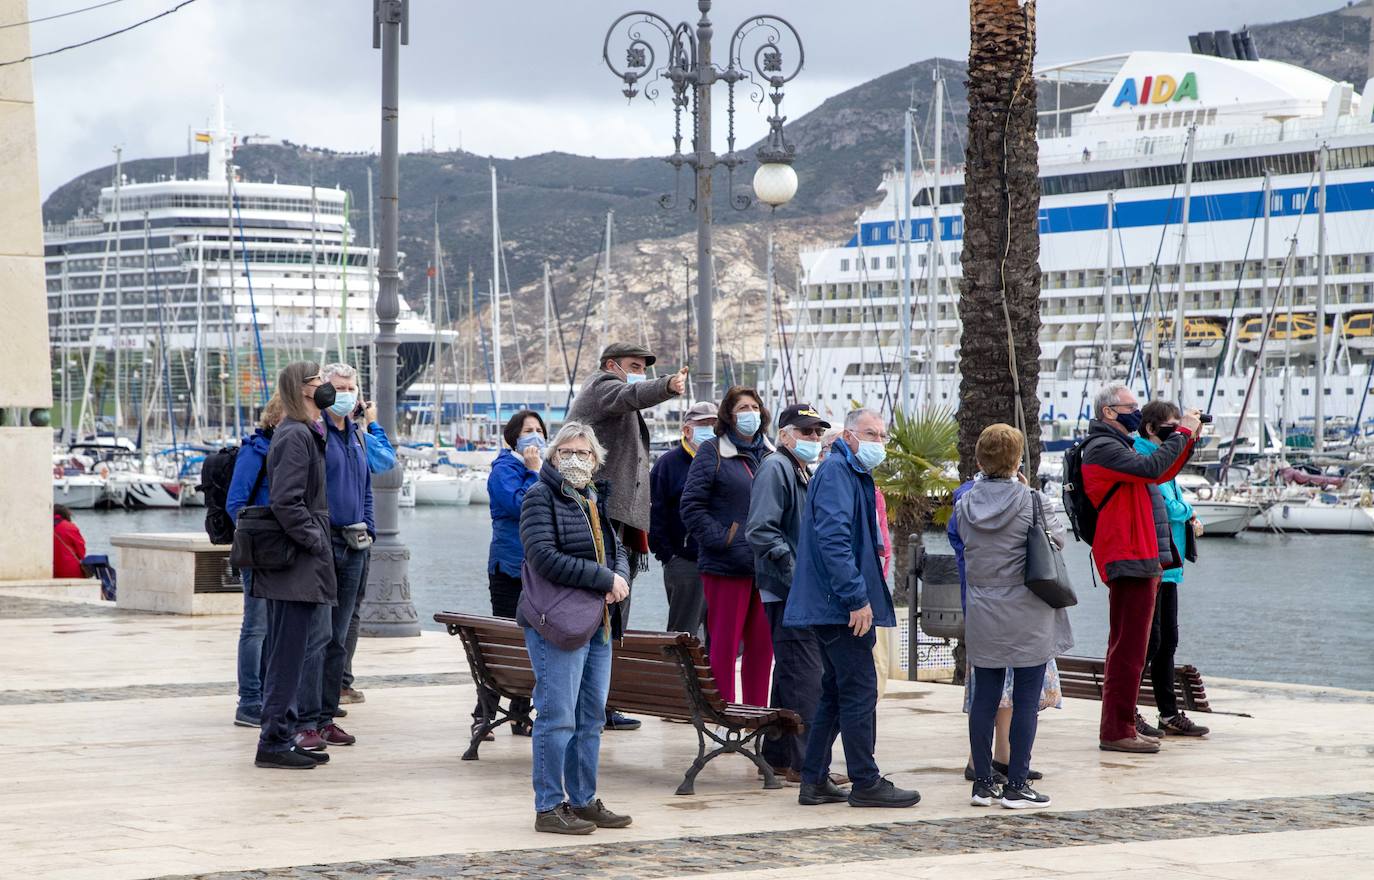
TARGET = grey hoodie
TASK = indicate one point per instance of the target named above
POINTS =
(993, 518)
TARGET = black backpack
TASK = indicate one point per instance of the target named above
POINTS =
(216, 473)
(1080, 509)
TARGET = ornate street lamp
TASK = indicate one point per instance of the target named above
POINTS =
(766, 51)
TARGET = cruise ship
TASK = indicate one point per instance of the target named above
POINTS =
(1112, 182)
(165, 303)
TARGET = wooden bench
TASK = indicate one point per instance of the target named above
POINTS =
(1081, 677)
(664, 675)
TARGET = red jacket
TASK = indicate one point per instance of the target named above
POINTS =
(1127, 542)
(68, 549)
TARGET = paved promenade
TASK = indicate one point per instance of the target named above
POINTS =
(120, 761)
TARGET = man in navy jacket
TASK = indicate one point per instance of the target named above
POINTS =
(839, 591)
(675, 550)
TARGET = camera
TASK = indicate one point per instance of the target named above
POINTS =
(1205, 418)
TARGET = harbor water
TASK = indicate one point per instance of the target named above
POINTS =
(1289, 608)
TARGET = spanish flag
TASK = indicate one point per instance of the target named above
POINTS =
(203, 137)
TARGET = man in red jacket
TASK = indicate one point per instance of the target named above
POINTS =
(1131, 547)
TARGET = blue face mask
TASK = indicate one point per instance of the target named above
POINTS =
(702, 433)
(634, 378)
(528, 440)
(871, 454)
(343, 404)
(747, 423)
(1130, 421)
(807, 450)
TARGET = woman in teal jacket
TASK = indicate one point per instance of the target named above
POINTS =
(1158, 420)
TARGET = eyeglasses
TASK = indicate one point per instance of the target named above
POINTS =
(871, 436)
(579, 454)
(1129, 407)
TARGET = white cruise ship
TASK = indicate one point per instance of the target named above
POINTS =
(1128, 150)
(189, 309)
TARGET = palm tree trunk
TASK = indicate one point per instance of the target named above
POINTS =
(1001, 229)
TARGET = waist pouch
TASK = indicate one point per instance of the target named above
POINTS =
(356, 536)
(260, 543)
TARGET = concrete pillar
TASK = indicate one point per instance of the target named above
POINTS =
(25, 372)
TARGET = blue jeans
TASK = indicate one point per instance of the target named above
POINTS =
(1027, 682)
(570, 696)
(322, 677)
(848, 706)
(251, 633)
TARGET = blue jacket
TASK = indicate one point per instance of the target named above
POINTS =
(715, 505)
(348, 482)
(956, 543)
(668, 537)
(248, 463)
(507, 485)
(838, 566)
(1179, 512)
(381, 457)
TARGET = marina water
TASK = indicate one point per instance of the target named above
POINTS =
(1291, 608)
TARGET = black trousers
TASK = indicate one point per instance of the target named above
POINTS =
(505, 596)
(288, 631)
(797, 672)
(1159, 657)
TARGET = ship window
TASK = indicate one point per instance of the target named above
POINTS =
(1140, 123)
(1350, 391)
(891, 262)
(1154, 120)
(844, 265)
(873, 263)
(1306, 392)
(1326, 392)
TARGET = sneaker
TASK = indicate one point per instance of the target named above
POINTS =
(984, 793)
(1182, 725)
(248, 716)
(827, 792)
(597, 813)
(562, 820)
(311, 741)
(998, 777)
(1000, 769)
(291, 759)
(883, 794)
(1135, 745)
(1143, 728)
(341, 712)
(335, 735)
(349, 695)
(317, 757)
(1021, 797)
(616, 721)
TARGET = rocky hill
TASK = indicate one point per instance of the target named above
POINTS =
(1334, 44)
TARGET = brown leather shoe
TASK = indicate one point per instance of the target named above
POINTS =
(1134, 744)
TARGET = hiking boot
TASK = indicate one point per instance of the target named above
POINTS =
(291, 759)
(248, 716)
(1000, 769)
(335, 735)
(349, 695)
(562, 820)
(1020, 797)
(1182, 725)
(984, 793)
(827, 792)
(597, 813)
(998, 776)
(311, 741)
(883, 794)
(1134, 744)
(1143, 728)
(616, 721)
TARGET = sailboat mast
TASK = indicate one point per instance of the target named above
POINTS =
(904, 259)
(1319, 428)
(233, 325)
(766, 381)
(434, 319)
(143, 310)
(1287, 417)
(933, 276)
(1264, 309)
(606, 286)
(371, 283)
(548, 363)
(314, 267)
(343, 280)
(495, 301)
(199, 393)
(474, 329)
(119, 287)
(1181, 296)
(1105, 373)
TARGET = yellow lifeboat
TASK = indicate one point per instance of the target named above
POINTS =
(1202, 337)
(1300, 336)
(1359, 331)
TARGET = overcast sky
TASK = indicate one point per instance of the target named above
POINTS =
(507, 78)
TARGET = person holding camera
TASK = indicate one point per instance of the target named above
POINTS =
(1158, 422)
(1131, 548)
(352, 530)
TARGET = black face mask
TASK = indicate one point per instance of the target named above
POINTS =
(1164, 432)
(324, 396)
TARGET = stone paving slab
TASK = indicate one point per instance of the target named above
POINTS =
(205, 689)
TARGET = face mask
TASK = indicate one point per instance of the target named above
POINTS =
(871, 454)
(324, 395)
(747, 423)
(1164, 432)
(576, 471)
(1130, 421)
(702, 433)
(807, 450)
(631, 378)
(343, 404)
(528, 440)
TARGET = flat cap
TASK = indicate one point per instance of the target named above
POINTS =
(701, 411)
(625, 350)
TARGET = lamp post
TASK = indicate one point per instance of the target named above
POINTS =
(387, 609)
(761, 52)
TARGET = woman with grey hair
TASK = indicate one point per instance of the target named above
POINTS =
(569, 543)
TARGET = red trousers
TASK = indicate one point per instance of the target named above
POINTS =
(735, 615)
(1132, 610)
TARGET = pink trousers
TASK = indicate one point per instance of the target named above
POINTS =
(735, 616)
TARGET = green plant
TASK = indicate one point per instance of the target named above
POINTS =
(914, 478)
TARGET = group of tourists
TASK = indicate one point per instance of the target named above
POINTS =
(301, 501)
